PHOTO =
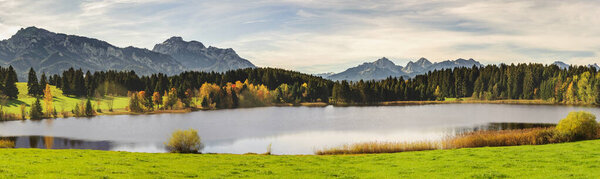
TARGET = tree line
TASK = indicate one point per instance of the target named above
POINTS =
(575, 85)
(267, 86)
(119, 83)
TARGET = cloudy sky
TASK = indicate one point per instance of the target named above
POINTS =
(330, 35)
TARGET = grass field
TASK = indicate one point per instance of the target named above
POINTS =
(61, 102)
(566, 160)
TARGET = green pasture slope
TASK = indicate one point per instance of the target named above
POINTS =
(567, 160)
(61, 102)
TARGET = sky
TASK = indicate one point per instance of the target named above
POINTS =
(331, 35)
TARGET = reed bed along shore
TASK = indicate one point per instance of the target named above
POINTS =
(6, 144)
(380, 147)
(515, 137)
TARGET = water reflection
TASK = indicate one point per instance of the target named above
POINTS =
(290, 130)
(49, 142)
(494, 126)
(289, 141)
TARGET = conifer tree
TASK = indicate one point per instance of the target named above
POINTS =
(89, 110)
(10, 89)
(32, 83)
(36, 110)
(43, 82)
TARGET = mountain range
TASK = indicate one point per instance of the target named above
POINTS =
(383, 68)
(53, 53)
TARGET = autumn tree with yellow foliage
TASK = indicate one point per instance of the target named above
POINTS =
(48, 98)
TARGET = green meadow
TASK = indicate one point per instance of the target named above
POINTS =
(61, 102)
(565, 160)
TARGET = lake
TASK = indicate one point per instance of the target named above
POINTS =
(290, 130)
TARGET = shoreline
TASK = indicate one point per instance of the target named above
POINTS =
(123, 111)
(504, 101)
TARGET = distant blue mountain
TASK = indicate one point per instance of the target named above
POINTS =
(383, 68)
(561, 65)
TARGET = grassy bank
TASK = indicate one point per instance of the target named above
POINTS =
(566, 160)
(64, 103)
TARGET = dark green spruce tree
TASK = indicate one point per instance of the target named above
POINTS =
(10, 89)
(89, 110)
(32, 83)
(36, 110)
(43, 82)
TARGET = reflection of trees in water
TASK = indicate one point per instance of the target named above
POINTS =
(494, 126)
(33, 141)
(49, 142)
(510, 125)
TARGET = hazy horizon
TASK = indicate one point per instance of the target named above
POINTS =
(318, 37)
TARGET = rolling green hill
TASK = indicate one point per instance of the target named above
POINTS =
(61, 102)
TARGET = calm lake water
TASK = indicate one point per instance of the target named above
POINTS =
(290, 130)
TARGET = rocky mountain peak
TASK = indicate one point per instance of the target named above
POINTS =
(384, 62)
(419, 65)
(423, 62)
(176, 42)
(175, 39)
(195, 56)
(32, 32)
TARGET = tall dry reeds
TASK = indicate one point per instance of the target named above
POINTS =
(532, 136)
(380, 147)
(6, 143)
